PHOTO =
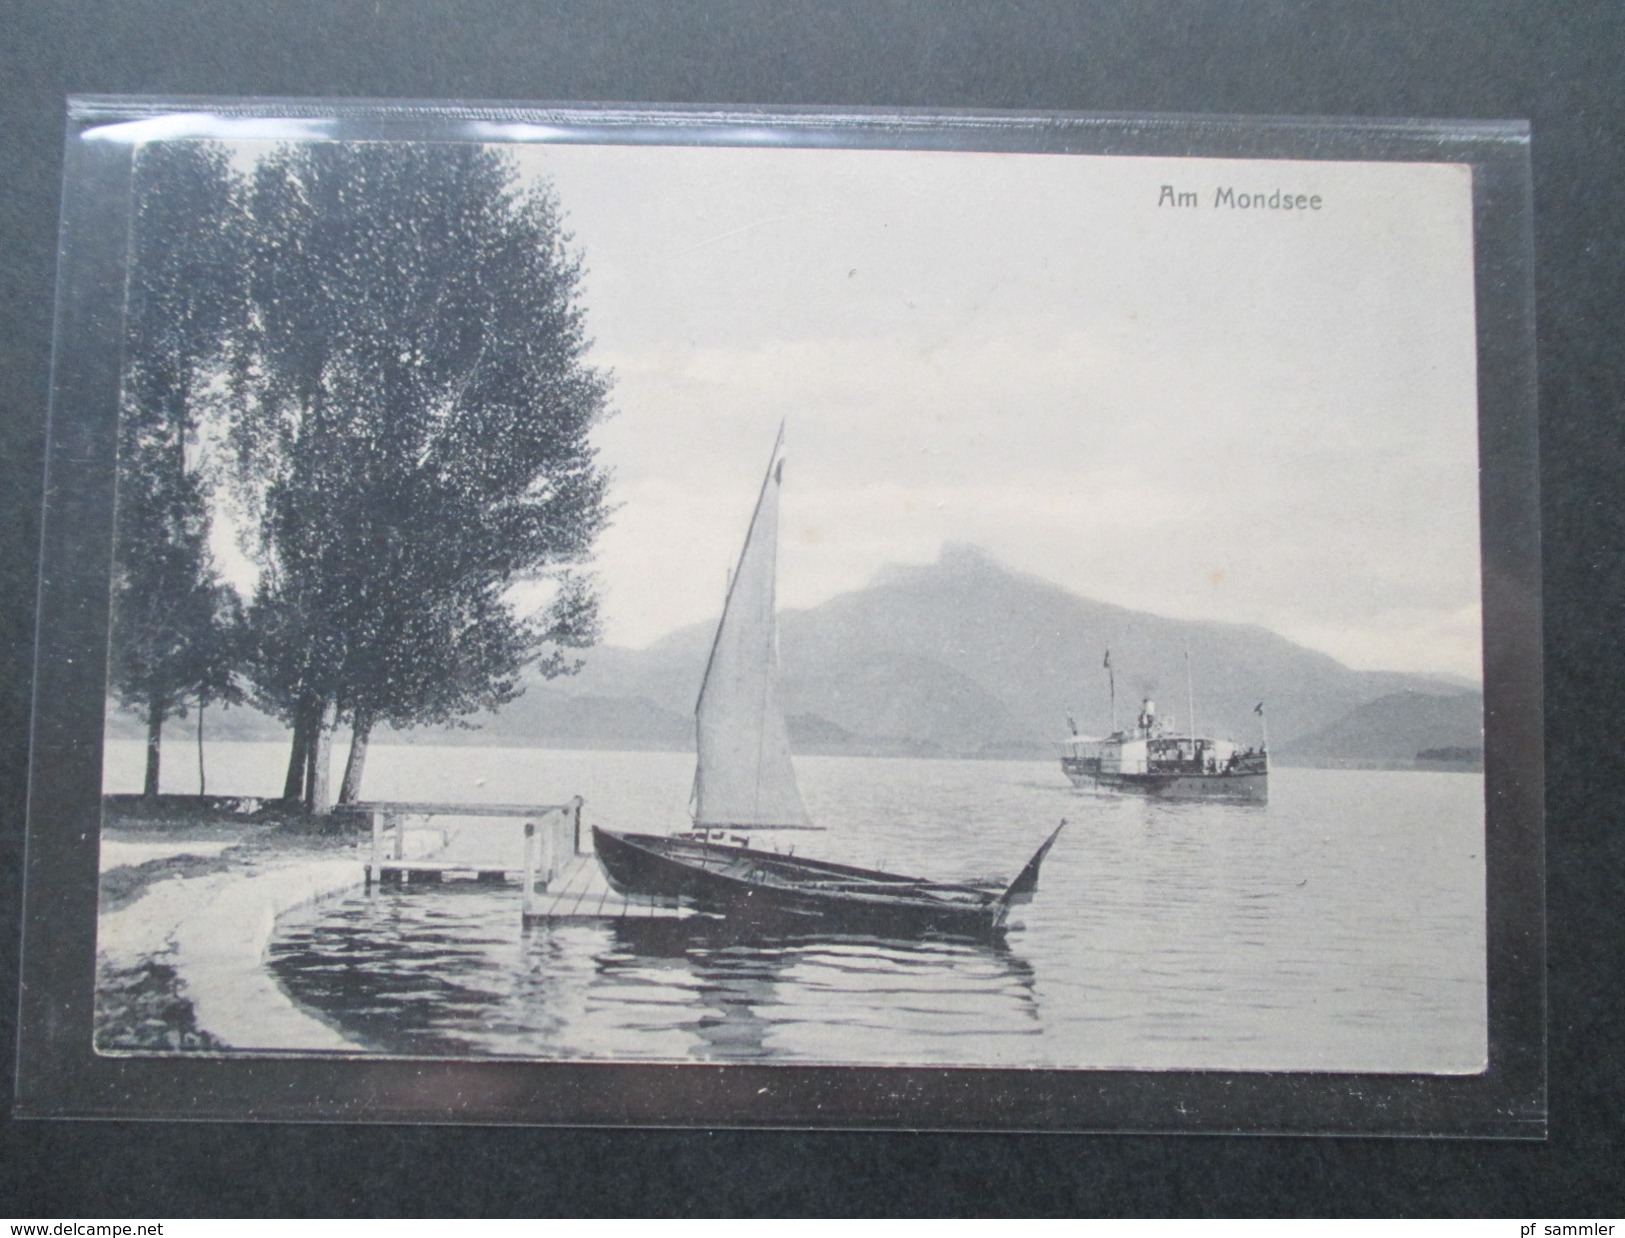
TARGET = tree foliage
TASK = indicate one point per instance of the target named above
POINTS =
(175, 625)
(411, 410)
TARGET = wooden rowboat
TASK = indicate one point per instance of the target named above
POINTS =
(791, 891)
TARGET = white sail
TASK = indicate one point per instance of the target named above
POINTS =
(744, 776)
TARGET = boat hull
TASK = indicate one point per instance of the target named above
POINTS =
(784, 892)
(1234, 784)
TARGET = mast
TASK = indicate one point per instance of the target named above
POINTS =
(1111, 684)
(1190, 700)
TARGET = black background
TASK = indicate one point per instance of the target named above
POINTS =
(1558, 65)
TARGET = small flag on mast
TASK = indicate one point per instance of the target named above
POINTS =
(1107, 664)
(1259, 709)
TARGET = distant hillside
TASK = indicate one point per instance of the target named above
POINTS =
(964, 657)
(1393, 730)
(238, 724)
(547, 717)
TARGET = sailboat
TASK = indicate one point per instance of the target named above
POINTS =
(745, 783)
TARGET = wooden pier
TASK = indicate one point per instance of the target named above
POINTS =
(435, 872)
(559, 880)
(557, 827)
(577, 890)
(580, 892)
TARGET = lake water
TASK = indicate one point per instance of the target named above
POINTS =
(1340, 927)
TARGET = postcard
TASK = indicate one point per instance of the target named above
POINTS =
(854, 610)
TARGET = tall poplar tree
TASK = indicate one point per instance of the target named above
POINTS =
(174, 623)
(411, 429)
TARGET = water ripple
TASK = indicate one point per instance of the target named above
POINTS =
(1340, 927)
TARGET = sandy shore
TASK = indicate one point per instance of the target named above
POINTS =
(186, 921)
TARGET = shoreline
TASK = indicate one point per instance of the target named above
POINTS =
(182, 937)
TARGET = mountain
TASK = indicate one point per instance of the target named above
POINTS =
(233, 724)
(545, 717)
(965, 656)
(1393, 730)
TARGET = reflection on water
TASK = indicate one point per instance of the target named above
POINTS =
(448, 971)
(1338, 927)
(758, 996)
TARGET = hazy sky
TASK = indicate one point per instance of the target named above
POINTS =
(1212, 413)
(1247, 415)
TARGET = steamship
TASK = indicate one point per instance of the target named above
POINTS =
(1147, 759)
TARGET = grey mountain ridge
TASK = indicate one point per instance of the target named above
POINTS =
(965, 657)
(1393, 729)
(965, 654)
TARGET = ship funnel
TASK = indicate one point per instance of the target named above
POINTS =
(1148, 715)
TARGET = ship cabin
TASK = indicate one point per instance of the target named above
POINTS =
(1147, 748)
(1187, 755)
(1164, 754)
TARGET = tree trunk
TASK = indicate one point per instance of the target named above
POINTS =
(307, 791)
(155, 735)
(350, 788)
(320, 748)
(293, 783)
(293, 786)
(202, 783)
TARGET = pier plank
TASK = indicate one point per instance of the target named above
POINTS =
(580, 892)
(416, 808)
